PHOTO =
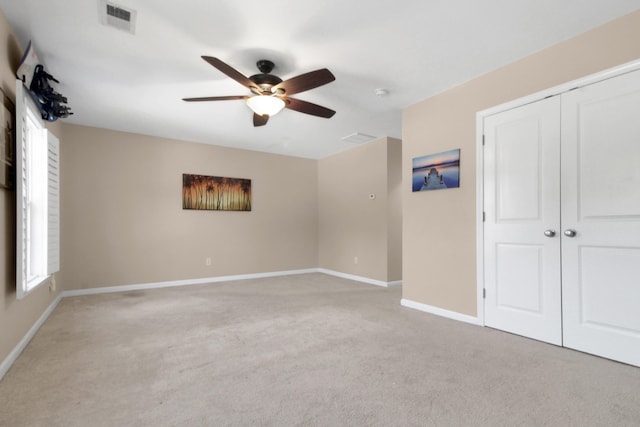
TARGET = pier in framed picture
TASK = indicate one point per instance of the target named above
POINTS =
(215, 193)
(436, 171)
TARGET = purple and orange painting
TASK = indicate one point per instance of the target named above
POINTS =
(436, 171)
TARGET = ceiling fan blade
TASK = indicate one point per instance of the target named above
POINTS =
(216, 98)
(308, 108)
(305, 82)
(229, 71)
(259, 120)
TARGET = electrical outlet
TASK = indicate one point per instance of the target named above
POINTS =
(207, 261)
(355, 260)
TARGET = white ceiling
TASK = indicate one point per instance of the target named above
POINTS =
(412, 48)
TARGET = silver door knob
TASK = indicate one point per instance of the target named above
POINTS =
(570, 233)
(550, 233)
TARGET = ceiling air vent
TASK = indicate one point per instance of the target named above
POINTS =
(117, 16)
(358, 138)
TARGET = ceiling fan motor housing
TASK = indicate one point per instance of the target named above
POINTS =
(265, 80)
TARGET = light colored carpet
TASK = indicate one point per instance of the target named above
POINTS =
(307, 350)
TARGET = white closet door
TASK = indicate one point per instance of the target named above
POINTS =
(601, 203)
(522, 201)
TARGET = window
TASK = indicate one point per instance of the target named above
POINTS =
(37, 197)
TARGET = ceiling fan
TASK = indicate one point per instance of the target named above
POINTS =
(270, 93)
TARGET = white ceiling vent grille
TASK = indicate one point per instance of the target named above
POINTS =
(358, 138)
(117, 16)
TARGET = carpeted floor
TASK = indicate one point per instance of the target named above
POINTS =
(307, 350)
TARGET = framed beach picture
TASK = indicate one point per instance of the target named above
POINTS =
(436, 171)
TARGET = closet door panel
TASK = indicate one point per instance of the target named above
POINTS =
(522, 201)
(601, 217)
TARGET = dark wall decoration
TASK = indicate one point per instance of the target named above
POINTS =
(215, 193)
(52, 104)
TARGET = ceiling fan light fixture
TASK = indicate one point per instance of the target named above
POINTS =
(265, 104)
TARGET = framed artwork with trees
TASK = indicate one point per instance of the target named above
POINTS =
(215, 193)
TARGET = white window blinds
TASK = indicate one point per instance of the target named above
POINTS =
(53, 204)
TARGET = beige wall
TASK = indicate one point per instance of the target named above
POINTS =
(16, 317)
(394, 210)
(439, 266)
(123, 222)
(353, 225)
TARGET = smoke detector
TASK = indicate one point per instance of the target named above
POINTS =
(117, 16)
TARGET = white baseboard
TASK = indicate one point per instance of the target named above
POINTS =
(440, 312)
(188, 282)
(18, 349)
(360, 278)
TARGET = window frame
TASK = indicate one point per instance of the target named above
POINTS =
(37, 197)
